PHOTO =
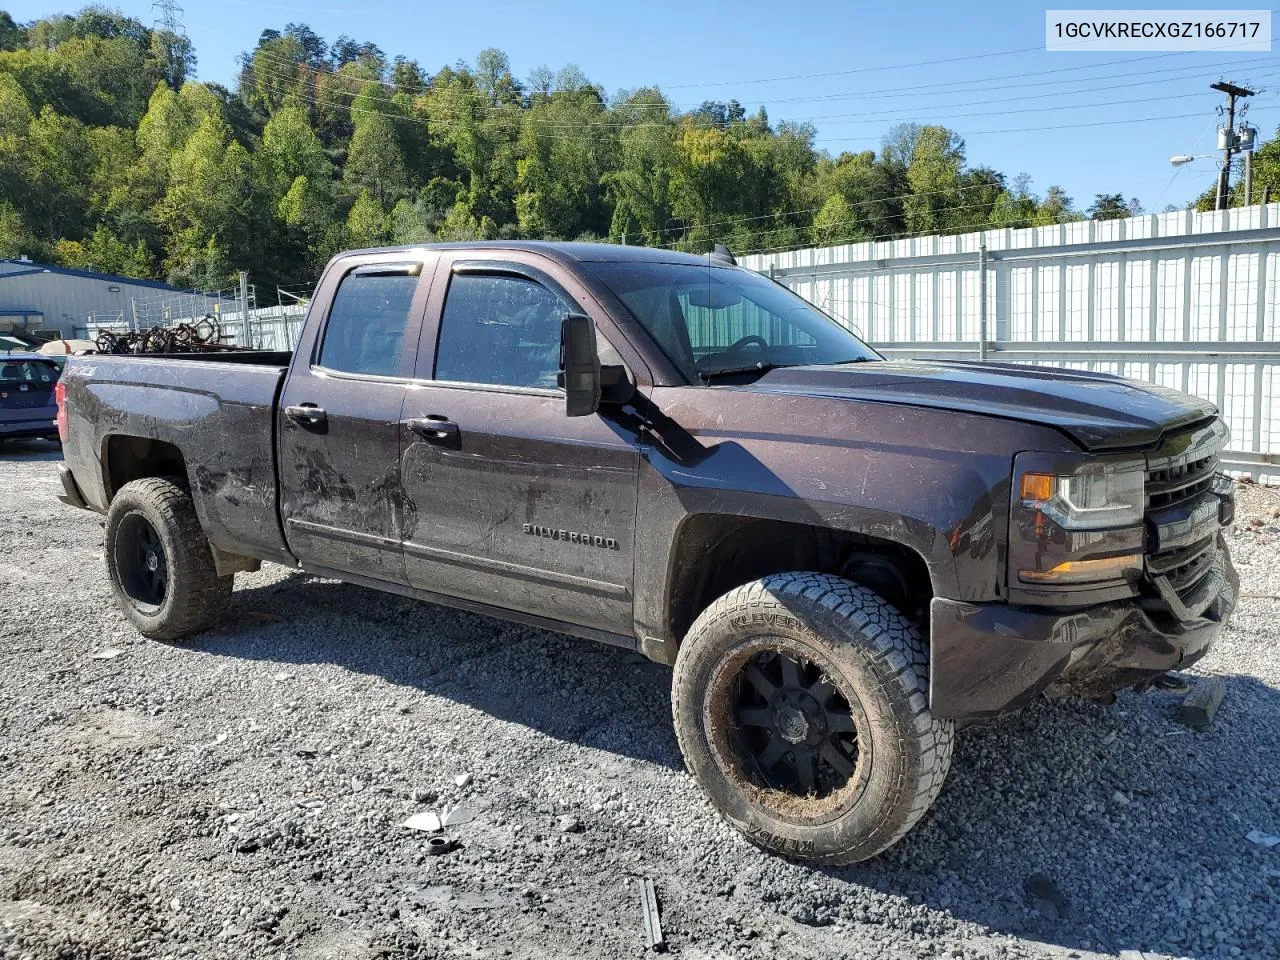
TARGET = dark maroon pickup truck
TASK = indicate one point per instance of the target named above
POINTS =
(842, 556)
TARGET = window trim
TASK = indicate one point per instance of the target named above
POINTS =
(376, 268)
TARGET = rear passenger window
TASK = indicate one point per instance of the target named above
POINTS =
(367, 321)
(500, 330)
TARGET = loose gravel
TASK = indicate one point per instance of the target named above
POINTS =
(243, 794)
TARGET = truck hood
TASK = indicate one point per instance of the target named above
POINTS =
(1099, 411)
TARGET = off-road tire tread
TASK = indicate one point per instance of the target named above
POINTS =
(198, 595)
(893, 644)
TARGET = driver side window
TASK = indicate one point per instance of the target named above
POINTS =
(504, 330)
(500, 330)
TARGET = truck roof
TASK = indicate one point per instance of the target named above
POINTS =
(564, 250)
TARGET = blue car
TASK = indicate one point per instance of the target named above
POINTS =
(27, 405)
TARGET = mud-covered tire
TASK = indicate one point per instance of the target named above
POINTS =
(853, 641)
(192, 597)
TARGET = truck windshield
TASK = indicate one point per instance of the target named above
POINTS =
(714, 321)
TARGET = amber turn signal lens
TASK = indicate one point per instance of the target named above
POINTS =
(1086, 571)
(1037, 486)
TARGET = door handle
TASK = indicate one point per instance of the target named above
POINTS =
(307, 415)
(435, 429)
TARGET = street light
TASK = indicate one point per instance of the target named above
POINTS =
(1182, 159)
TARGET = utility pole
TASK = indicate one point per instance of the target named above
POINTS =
(982, 298)
(1228, 141)
(244, 307)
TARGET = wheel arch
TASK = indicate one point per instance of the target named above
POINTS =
(712, 553)
(128, 457)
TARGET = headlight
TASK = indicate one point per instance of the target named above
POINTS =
(1101, 496)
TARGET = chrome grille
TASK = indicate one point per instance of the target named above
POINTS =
(1177, 483)
(1179, 474)
(1184, 567)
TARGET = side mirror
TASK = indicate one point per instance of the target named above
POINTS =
(579, 365)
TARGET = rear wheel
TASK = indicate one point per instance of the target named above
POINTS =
(801, 706)
(159, 562)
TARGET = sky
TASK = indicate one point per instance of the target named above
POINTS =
(1089, 122)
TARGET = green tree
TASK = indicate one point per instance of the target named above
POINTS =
(295, 178)
(12, 35)
(710, 170)
(639, 183)
(836, 223)
(1109, 206)
(14, 238)
(1054, 208)
(934, 178)
(277, 70)
(208, 207)
(375, 161)
(55, 168)
(562, 165)
(870, 186)
(106, 253)
(367, 223)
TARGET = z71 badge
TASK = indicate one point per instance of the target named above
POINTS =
(571, 536)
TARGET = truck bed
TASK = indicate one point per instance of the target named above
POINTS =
(265, 358)
(218, 409)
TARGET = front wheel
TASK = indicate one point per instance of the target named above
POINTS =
(801, 706)
(159, 562)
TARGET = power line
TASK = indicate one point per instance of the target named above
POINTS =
(1193, 73)
(870, 116)
(790, 213)
(856, 221)
(846, 73)
(1059, 126)
(935, 88)
(869, 220)
(605, 139)
(933, 231)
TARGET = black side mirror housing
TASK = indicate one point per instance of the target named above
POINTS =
(579, 365)
(616, 387)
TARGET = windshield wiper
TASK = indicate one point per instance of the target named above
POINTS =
(760, 366)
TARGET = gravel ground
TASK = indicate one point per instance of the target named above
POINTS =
(242, 795)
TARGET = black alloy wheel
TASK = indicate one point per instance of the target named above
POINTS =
(141, 560)
(796, 730)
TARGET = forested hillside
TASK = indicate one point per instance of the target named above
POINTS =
(112, 157)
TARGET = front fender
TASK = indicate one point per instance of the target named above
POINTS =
(949, 506)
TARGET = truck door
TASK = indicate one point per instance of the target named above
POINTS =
(338, 425)
(513, 504)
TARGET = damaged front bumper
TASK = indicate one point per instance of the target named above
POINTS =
(987, 659)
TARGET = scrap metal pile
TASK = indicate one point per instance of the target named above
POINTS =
(203, 335)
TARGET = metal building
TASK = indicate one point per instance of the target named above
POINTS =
(1184, 299)
(37, 296)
